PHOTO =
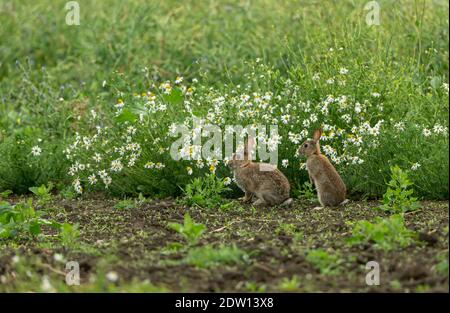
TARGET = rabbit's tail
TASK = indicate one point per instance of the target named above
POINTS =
(287, 202)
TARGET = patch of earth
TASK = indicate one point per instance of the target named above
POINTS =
(133, 242)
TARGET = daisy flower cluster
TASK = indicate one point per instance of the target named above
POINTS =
(136, 138)
(113, 144)
(351, 126)
(96, 158)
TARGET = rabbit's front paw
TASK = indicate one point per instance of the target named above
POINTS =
(245, 199)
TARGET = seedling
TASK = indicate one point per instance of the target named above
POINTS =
(290, 284)
(69, 235)
(254, 287)
(324, 262)
(22, 219)
(190, 230)
(125, 204)
(286, 229)
(141, 199)
(385, 234)
(68, 193)
(205, 192)
(307, 192)
(172, 247)
(398, 197)
(42, 193)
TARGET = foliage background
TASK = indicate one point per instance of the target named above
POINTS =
(51, 76)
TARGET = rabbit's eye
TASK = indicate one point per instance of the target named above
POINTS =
(306, 145)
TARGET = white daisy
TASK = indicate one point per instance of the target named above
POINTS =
(343, 71)
(112, 276)
(36, 151)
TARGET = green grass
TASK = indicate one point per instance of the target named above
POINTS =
(52, 74)
(326, 263)
(125, 204)
(386, 234)
(290, 284)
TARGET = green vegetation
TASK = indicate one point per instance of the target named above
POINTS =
(29, 279)
(209, 256)
(253, 287)
(286, 229)
(386, 234)
(290, 284)
(42, 193)
(326, 263)
(22, 220)
(103, 112)
(190, 230)
(69, 235)
(205, 192)
(442, 266)
(5, 194)
(306, 192)
(125, 204)
(89, 113)
(397, 198)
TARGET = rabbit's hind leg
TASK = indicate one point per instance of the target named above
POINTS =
(272, 199)
(261, 201)
(247, 198)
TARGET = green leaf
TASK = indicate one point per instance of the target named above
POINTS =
(34, 228)
(4, 232)
(190, 230)
(435, 82)
(187, 220)
(5, 194)
(126, 116)
(175, 97)
(176, 227)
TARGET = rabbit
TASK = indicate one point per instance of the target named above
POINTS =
(330, 187)
(262, 180)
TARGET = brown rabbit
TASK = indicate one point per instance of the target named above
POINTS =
(331, 189)
(262, 180)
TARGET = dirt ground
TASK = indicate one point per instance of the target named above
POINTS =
(133, 243)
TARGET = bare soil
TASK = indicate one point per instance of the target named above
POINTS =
(135, 240)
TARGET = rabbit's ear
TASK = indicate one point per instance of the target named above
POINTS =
(317, 133)
(234, 156)
(248, 148)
